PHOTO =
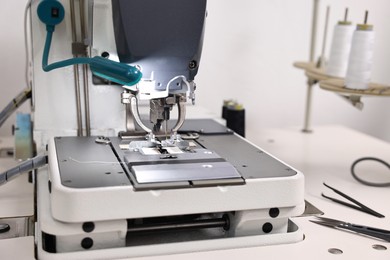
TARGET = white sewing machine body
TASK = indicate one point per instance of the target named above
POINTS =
(127, 195)
(96, 202)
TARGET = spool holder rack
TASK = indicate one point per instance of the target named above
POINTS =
(315, 73)
(337, 85)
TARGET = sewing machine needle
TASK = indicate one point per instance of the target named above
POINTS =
(166, 129)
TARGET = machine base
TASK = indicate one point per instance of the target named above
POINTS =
(125, 248)
(104, 200)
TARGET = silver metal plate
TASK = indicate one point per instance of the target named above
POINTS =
(184, 172)
(83, 163)
(311, 210)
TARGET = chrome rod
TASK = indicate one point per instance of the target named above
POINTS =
(85, 72)
(306, 126)
(76, 72)
(322, 59)
(310, 83)
(86, 101)
(223, 222)
(314, 30)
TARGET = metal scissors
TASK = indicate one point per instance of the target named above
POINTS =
(368, 231)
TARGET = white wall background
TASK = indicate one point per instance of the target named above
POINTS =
(12, 54)
(248, 52)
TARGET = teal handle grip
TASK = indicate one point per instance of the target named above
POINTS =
(120, 73)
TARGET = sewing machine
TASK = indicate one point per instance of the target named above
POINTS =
(121, 185)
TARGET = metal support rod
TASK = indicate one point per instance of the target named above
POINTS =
(314, 30)
(180, 225)
(306, 126)
(310, 83)
(76, 72)
(85, 72)
(82, 19)
(78, 101)
(322, 59)
(86, 101)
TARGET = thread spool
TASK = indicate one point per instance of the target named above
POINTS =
(361, 56)
(340, 49)
(234, 114)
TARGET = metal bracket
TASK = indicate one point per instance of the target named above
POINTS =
(79, 49)
(354, 101)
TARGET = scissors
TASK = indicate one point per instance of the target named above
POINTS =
(360, 229)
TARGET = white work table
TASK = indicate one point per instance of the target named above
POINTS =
(323, 156)
(16, 200)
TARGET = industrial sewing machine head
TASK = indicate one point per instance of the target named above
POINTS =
(114, 188)
(164, 41)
